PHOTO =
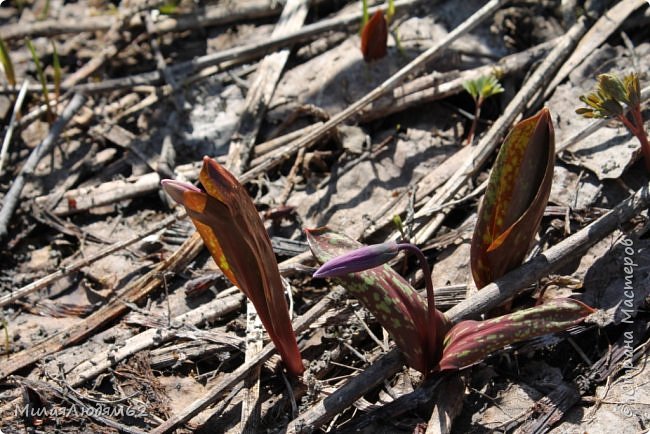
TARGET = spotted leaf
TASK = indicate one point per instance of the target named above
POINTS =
(514, 200)
(396, 305)
(469, 342)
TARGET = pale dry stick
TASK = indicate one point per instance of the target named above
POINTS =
(110, 49)
(116, 307)
(451, 392)
(437, 86)
(250, 415)
(577, 137)
(103, 361)
(478, 190)
(77, 405)
(260, 152)
(10, 200)
(76, 266)
(12, 123)
(42, 109)
(380, 90)
(291, 177)
(160, 60)
(85, 198)
(489, 142)
(595, 36)
(262, 89)
(230, 380)
(213, 15)
(487, 298)
(550, 260)
(257, 49)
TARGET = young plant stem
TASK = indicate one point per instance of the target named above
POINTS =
(636, 128)
(431, 302)
(477, 114)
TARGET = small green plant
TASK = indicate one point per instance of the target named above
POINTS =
(481, 89)
(422, 332)
(42, 79)
(607, 102)
(7, 64)
(228, 222)
(512, 208)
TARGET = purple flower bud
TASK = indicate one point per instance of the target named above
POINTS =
(176, 189)
(360, 259)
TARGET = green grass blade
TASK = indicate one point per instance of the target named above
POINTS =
(41, 78)
(366, 16)
(390, 12)
(7, 64)
(57, 71)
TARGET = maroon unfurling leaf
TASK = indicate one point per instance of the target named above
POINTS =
(374, 37)
(469, 342)
(233, 232)
(395, 304)
(515, 199)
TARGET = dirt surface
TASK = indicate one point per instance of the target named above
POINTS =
(124, 340)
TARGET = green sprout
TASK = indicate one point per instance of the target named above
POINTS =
(397, 221)
(366, 15)
(607, 102)
(7, 64)
(41, 78)
(481, 89)
(169, 7)
(57, 71)
(44, 12)
(390, 12)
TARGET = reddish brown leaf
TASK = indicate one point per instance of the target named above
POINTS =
(469, 342)
(515, 199)
(234, 234)
(395, 304)
(374, 37)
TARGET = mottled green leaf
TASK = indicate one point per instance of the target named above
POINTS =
(469, 342)
(396, 305)
(514, 200)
